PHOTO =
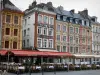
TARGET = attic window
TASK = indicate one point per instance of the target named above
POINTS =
(58, 17)
(84, 22)
(64, 18)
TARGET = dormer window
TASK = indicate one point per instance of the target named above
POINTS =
(85, 23)
(71, 20)
(58, 17)
(64, 18)
(80, 21)
(76, 21)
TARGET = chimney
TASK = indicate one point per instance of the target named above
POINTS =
(73, 11)
(34, 3)
(85, 11)
(49, 3)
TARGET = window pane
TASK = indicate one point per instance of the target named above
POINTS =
(14, 45)
(58, 48)
(71, 29)
(15, 19)
(76, 29)
(51, 21)
(64, 38)
(15, 32)
(7, 31)
(51, 32)
(71, 39)
(39, 30)
(27, 42)
(50, 43)
(64, 48)
(39, 43)
(45, 19)
(8, 18)
(6, 44)
(45, 43)
(58, 28)
(64, 29)
(45, 31)
(58, 37)
(39, 18)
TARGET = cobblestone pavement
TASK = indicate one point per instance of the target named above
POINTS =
(88, 72)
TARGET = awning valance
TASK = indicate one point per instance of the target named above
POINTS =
(3, 52)
(36, 53)
(83, 56)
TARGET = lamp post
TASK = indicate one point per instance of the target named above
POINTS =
(8, 59)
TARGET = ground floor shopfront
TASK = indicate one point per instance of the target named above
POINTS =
(38, 57)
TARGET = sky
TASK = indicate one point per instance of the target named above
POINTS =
(79, 5)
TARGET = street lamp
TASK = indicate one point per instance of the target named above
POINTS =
(8, 59)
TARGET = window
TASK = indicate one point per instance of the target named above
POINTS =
(51, 21)
(58, 37)
(83, 31)
(76, 30)
(6, 44)
(96, 29)
(25, 21)
(71, 49)
(50, 31)
(7, 31)
(64, 38)
(24, 32)
(71, 20)
(45, 19)
(15, 32)
(14, 45)
(58, 28)
(76, 49)
(77, 40)
(45, 31)
(58, 17)
(58, 48)
(39, 18)
(15, 19)
(84, 22)
(39, 43)
(23, 43)
(83, 40)
(64, 29)
(8, 18)
(64, 18)
(27, 42)
(71, 30)
(50, 43)
(71, 39)
(39, 30)
(76, 21)
(64, 48)
(45, 43)
(28, 31)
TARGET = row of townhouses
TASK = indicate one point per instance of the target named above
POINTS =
(44, 27)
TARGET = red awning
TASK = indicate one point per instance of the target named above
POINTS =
(3, 52)
(28, 53)
(61, 54)
(36, 53)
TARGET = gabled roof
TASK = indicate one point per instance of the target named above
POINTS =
(78, 16)
(10, 6)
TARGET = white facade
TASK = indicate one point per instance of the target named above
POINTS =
(28, 30)
(96, 39)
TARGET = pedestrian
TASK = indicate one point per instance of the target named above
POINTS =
(4, 72)
(1, 72)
